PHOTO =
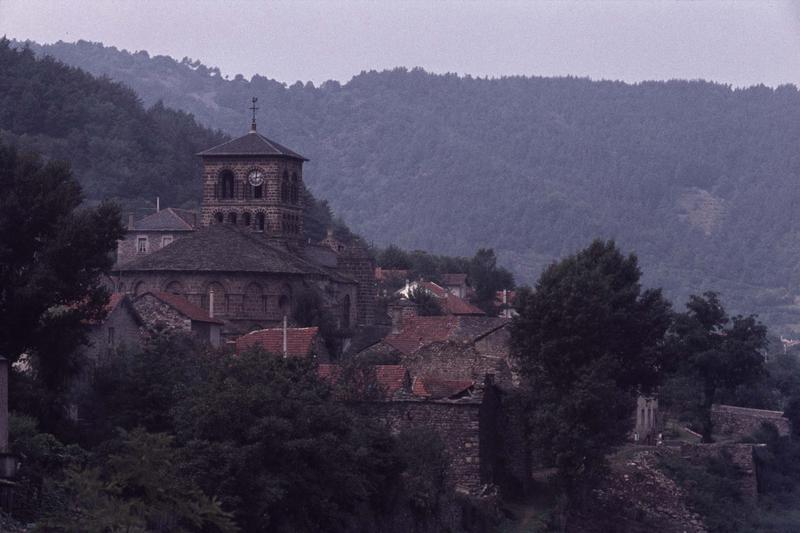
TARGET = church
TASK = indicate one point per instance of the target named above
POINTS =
(243, 258)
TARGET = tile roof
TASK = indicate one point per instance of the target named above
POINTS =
(169, 219)
(419, 331)
(252, 143)
(184, 307)
(435, 389)
(225, 248)
(454, 305)
(300, 342)
(392, 378)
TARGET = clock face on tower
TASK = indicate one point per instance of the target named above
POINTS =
(255, 177)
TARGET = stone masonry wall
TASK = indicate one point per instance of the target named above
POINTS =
(270, 204)
(740, 454)
(741, 422)
(457, 424)
(456, 360)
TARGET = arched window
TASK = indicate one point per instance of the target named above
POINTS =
(346, 311)
(232, 218)
(175, 287)
(294, 191)
(220, 298)
(246, 219)
(218, 217)
(254, 300)
(285, 193)
(138, 289)
(260, 221)
(258, 192)
(226, 181)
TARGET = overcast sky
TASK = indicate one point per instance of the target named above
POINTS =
(741, 43)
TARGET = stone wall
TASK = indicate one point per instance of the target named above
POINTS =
(740, 454)
(157, 314)
(456, 360)
(456, 423)
(742, 422)
(357, 264)
(126, 333)
(245, 301)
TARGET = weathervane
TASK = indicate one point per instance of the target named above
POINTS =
(253, 108)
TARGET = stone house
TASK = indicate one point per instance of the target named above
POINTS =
(456, 284)
(154, 232)
(121, 327)
(164, 310)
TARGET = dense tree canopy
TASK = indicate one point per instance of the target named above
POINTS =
(587, 339)
(713, 352)
(52, 254)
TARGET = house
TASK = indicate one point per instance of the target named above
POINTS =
(450, 303)
(164, 310)
(504, 302)
(121, 327)
(291, 342)
(456, 283)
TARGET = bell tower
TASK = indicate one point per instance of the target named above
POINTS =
(256, 184)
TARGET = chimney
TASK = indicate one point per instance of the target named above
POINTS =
(284, 336)
(194, 220)
(397, 320)
(130, 221)
(211, 303)
(158, 204)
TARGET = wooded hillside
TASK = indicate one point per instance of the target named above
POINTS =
(698, 178)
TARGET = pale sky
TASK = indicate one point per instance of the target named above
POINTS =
(741, 43)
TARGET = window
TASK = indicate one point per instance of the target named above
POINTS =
(246, 219)
(294, 192)
(111, 341)
(260, 221)
(232, 218)
(258, 192)
(218, 218)
(165, 240)
(285, 195)
(175, 287)
(141, 245)
(226, 183)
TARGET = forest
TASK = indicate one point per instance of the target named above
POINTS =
(699, 178)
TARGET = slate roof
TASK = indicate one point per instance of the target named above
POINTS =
(225, 248)
(299, 341)
(184, 307)
(252, 143)
(169, 219)
(419, 331)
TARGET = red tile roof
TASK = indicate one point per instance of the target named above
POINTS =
(392, 378)
(434, 388)
(300, 342)
(184, 307)
(453, 305)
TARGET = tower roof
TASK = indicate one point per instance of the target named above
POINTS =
(253, 143)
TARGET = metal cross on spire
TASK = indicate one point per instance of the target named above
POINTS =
(253, 108)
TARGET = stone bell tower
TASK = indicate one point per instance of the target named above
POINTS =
(254, 183)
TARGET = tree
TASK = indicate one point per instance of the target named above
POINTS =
(587, 340)
(52, 254)
(715, 351)
(427, 304)
(487, 278)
